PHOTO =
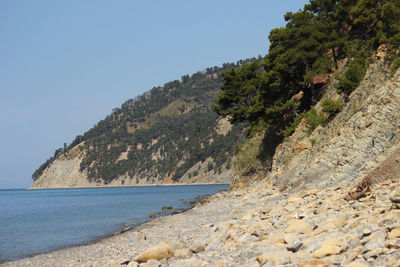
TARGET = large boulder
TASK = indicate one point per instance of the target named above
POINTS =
(328, 247)
(158, 252)
(298, 226)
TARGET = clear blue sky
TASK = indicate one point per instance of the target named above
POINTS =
(65, 64)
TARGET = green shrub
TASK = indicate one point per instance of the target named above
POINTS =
(210, 166)
(312, 117)
(395, 65)
(292, 126)
(246, 160)
(332, 106)
(351, 78)
(228, 165)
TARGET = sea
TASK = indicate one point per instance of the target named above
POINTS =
(40, 221)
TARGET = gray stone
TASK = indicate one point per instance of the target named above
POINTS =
(275, 257)
(179, 244)
(353, 241)
(151, 263)
(395, 197)
(366, 232)
(197, 248)
(122, 261)
(294, 247)
(183, 252)
(373, 253)
(373, 245)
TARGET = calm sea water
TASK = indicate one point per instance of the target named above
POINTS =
(39, 221)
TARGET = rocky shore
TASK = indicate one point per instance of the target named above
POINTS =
(258, 226)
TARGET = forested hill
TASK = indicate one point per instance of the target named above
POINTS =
(158, 136)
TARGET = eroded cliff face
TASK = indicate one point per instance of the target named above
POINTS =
(362, 136)
(64, 173)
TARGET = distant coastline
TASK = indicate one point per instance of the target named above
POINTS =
(116, 186)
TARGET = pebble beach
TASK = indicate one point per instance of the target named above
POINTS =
(258, 226)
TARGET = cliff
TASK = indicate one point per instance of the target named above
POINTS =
(65, 173)
(362, 137)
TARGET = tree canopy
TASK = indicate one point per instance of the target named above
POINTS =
(313, 40)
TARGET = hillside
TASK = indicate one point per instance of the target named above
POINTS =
(169, 134)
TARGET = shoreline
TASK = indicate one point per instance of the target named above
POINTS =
(122, 186)
(259, 226)
(198, 200)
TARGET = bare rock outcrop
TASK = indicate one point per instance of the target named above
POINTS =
(63, 173)
(354, 143)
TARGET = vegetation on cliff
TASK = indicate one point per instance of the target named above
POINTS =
(164, 132)
(274, 94)
(307, 48)
(160, 134)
